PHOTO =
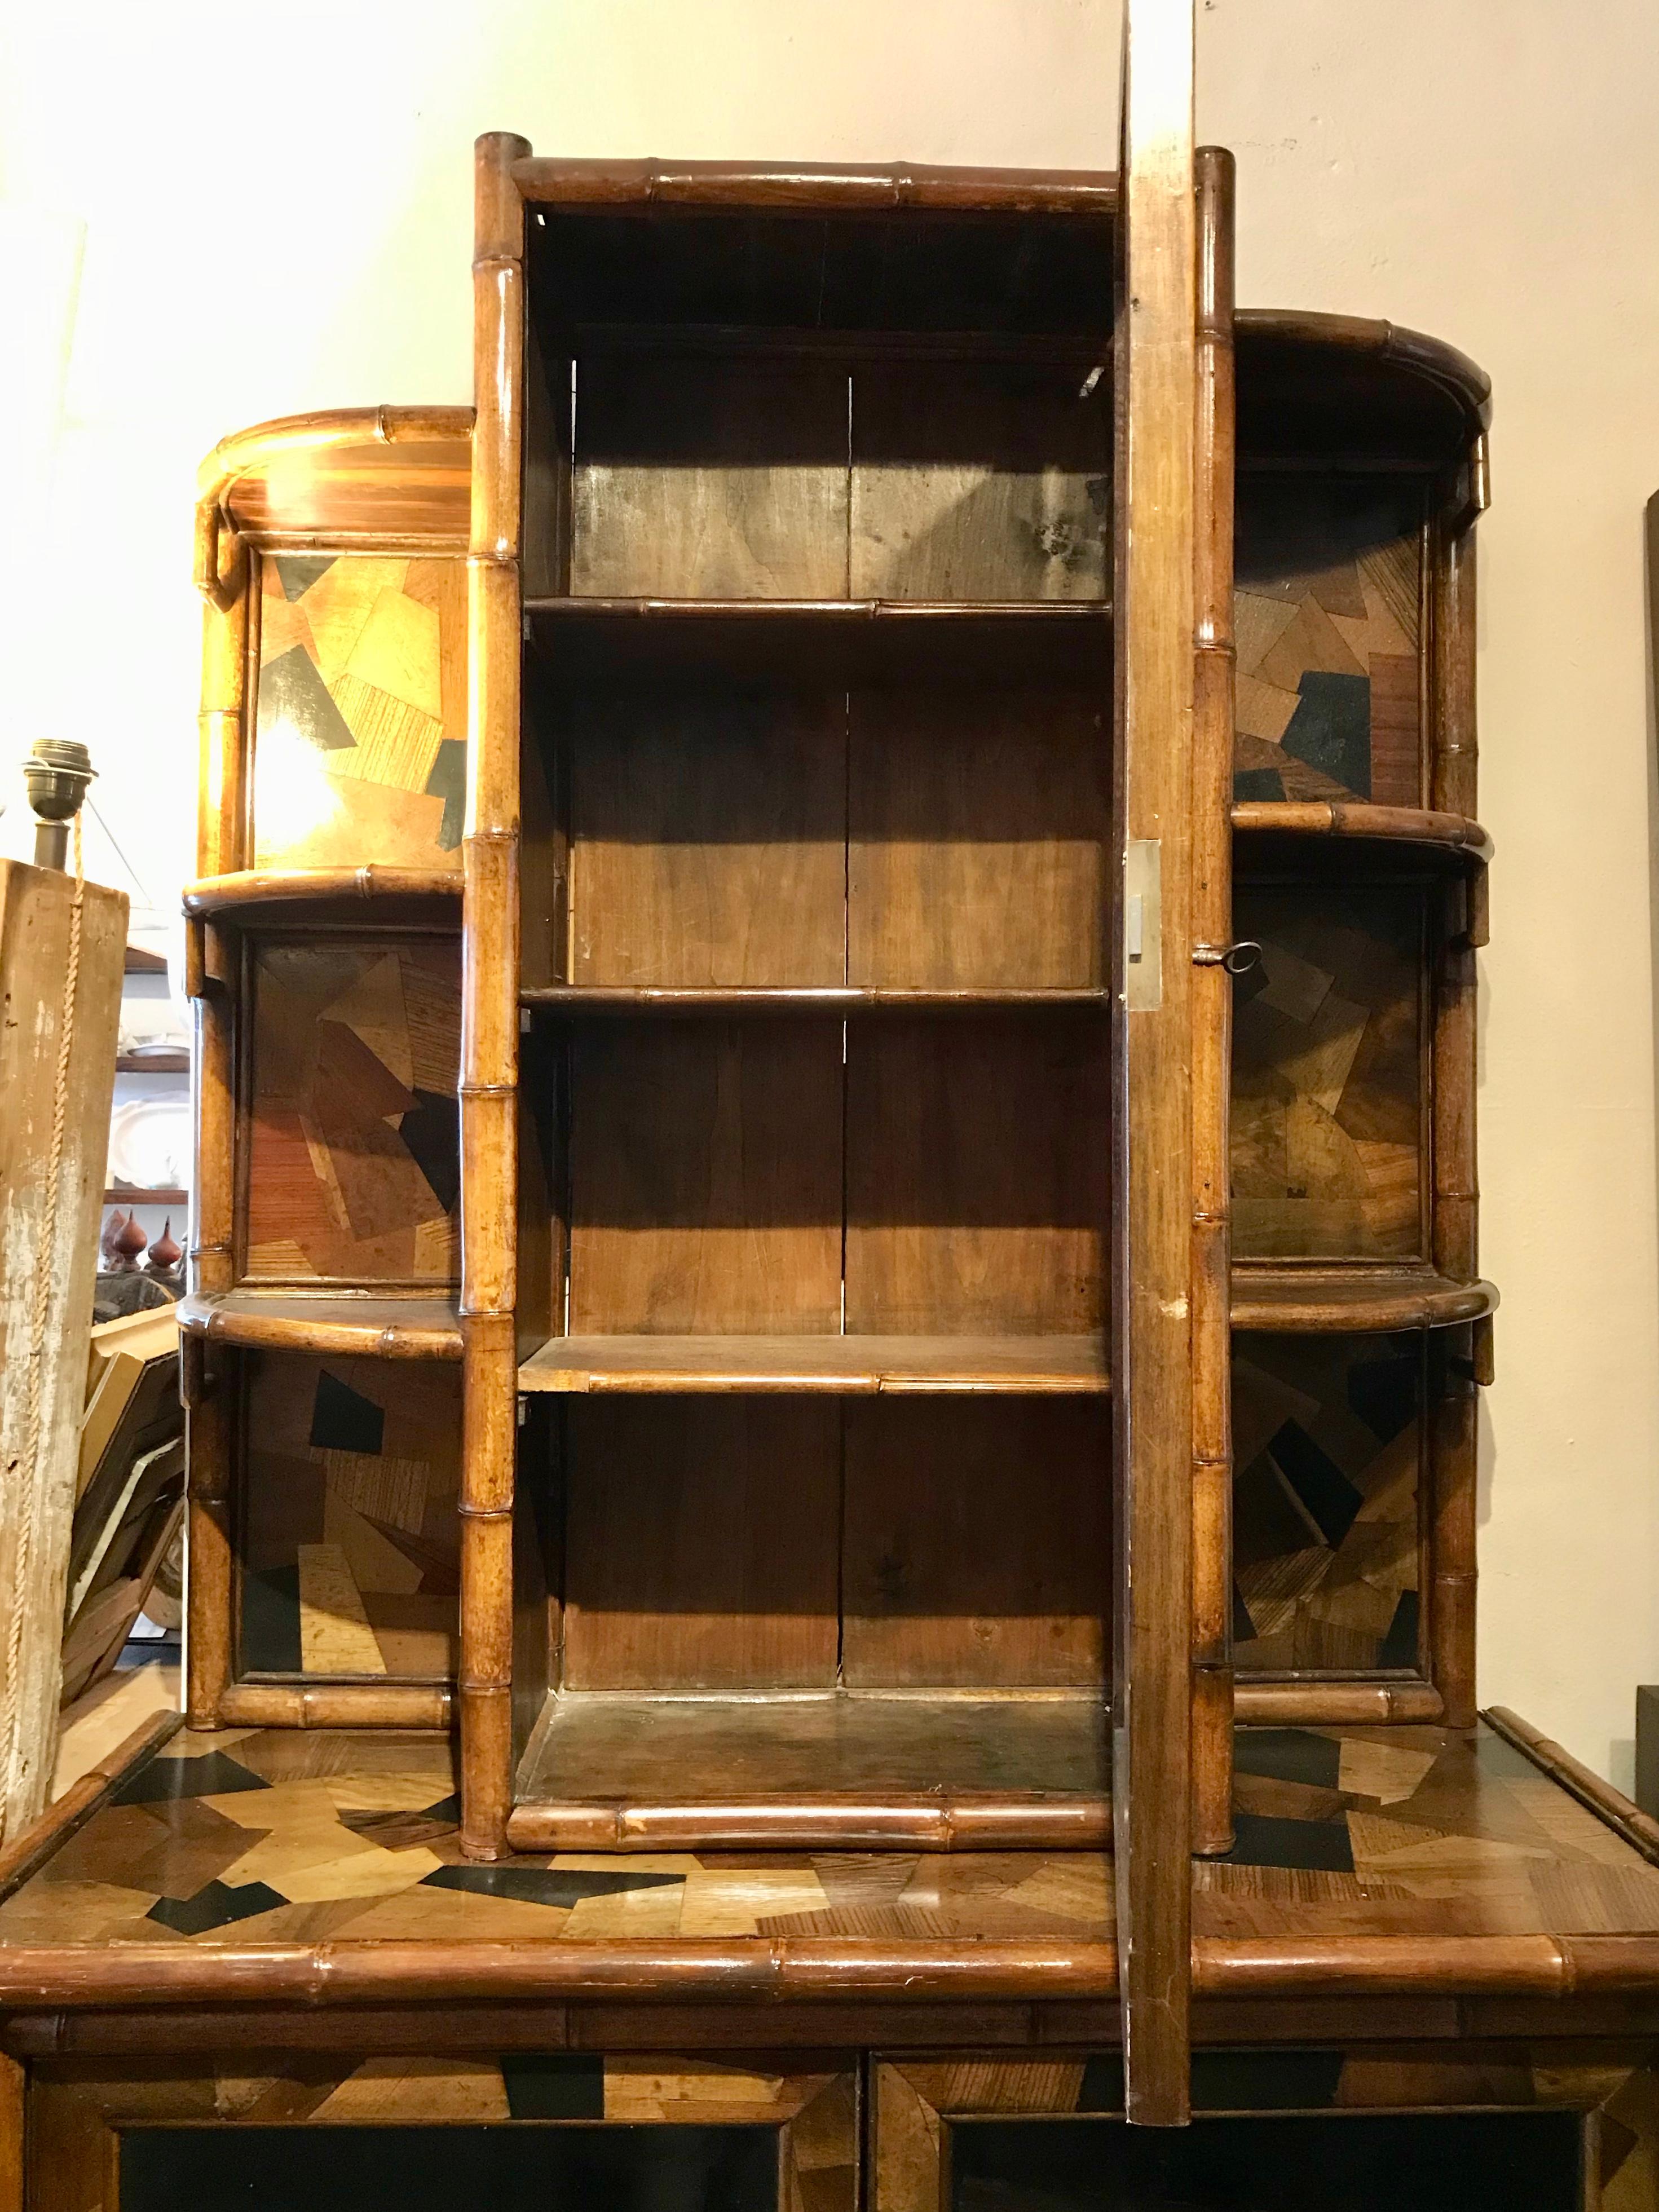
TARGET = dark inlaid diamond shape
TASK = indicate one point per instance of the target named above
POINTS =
(555, 2086)
(1288, 1755)
(542, 1885)
(1331, 728)
(1263, 1839)
(1398, 1646)
(292, 690)
(167, 1780)
(1384, 1393)
(1265, 2081)
(431, 1129)
(1251, 784)
(298, 572)
(215, 1906)
(447, 781)
(1331, 1500)
(342, 1419)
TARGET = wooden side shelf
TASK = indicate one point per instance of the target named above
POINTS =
(837, 1772)
(1316, 1299)
(338, 1323)
(131, 1194)
(1451, 834)
(846, 1365)
(313, 894)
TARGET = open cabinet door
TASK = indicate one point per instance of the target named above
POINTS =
(1155, 389)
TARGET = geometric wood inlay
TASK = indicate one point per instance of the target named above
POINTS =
(360, 745)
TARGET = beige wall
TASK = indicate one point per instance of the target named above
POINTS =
(270, 212)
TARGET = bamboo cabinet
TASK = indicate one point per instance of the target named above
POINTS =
(835, 959)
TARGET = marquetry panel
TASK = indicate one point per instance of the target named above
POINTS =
(1328, 1090)
(352, 1152)
(360, 727)
(283, 1836)
(347, 1535)
(1328, 586)
(343, 2133)
(1329, 1453)
(1445, 2128)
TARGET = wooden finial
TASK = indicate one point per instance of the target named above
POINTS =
(166, 1252)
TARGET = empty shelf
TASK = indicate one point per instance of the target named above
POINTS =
(846, 1365)
(842, 1770)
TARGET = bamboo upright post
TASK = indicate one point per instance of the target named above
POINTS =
(224, 576)
(62, 950)
(1155, 350)
(1212, 1013)
(489, 1008)
(1453, 1461)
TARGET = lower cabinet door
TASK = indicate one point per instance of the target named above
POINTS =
(1457, 2129)
(522, 2133)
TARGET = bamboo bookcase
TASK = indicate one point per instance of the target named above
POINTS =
(908, 1331)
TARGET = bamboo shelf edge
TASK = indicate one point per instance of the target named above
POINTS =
(827, 998)
(1333, 1701)
(574, 607)
(25, 1854)
(1309, 1301)
(843, 1365)
(381, 1326)
(250, 888)
(778, 188)
(1453, 834)
(1639, 1829)
(74, 1977)
(878, 1820)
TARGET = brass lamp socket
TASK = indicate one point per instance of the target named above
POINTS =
(56, 775)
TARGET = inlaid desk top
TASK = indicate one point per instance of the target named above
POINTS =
(284, 1866)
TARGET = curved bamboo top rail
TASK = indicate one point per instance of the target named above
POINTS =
(1320, 818)
(257, 450)
(1431, 359)
(343, 476)
(1308, 1301)
(250, 890)
(779, 188)
(339, 1324)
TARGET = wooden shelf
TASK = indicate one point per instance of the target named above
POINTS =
(839, 1772)
(141, 962)
(842, 1365)
(123, 1195)
(1453, 835)
(343, 1323)
(574, 607)
(1313, 1300)
(276, 894)
(644, 998)
(152, 1063)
